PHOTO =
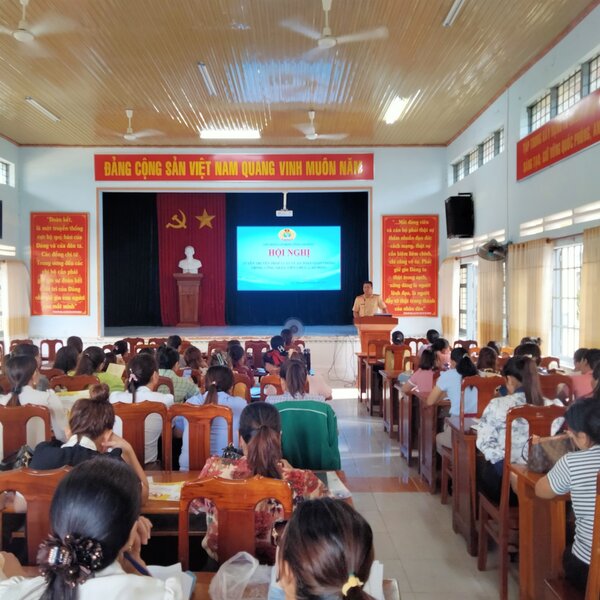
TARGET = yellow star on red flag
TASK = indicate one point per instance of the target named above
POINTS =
(205, 219)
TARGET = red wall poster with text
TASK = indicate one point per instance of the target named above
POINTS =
(410, 265)
(59, 264)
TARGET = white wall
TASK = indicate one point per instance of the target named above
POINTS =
(407, 181)
(500, 200)
(10, 198)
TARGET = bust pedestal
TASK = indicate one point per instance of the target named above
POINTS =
(188, 288)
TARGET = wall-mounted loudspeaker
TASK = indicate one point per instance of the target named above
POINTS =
(460, 216)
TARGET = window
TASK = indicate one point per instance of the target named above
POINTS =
(565, 300)
(467, 302)
(474, 160)
(478, 156)
(4, 173)
(488, 149)
(539, 113)
(594, 74)
(458, 169)
(569, 92)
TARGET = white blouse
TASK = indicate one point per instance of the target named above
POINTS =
(35, 429)
(111, 582)
(153, 423)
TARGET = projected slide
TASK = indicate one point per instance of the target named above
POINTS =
(288, 258)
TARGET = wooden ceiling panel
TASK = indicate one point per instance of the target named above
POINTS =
(91, 60)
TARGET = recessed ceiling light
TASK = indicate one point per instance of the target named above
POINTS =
(453, 13)
(395, 109)
(42, 109)
(230, 134)
(208, 82)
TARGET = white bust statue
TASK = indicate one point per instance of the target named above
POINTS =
(189, 264)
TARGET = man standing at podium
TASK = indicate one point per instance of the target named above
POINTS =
(368, 303)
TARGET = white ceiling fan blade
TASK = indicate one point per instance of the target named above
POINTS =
(54, 24)
(144, 133)
(5, 30)
(332, 136)
(300, 28)
(363, 36)
(34, 48)
(313, 54)
(305, 128)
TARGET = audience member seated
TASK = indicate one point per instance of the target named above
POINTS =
(274, 358)
(174, 341)
(91, 362)
(575, 473)
(309, 434)
(294, 383)
(75, 342)
(192, 357)
(421, 381)
(120, 350)
(531, 350)
(90, 433)
(577, 358)
(110, 358)
(397, 338)
(325, 551)
(288, 338)
(486, 362)
(441, 353)
(494, 346)
(142, 381)
(582, 381)
(260, 438)
(220, 358)
(96, 524)
(66, 359)
(449, 386)
(168, 359)
(22, 374)
(432, 335)
(523, 384)
(238, 363)
(32, 350)
(219, 381)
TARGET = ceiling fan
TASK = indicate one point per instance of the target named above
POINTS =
(325, 39)
(132, 136)
(27, 33)
(310, 132)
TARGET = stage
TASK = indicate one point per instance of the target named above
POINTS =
(228, 332)
(332, 347)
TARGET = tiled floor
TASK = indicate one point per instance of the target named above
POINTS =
(412, 530)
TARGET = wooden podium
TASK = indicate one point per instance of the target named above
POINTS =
(374, 328)
(188, 288)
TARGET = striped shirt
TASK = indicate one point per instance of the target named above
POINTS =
(576, 473)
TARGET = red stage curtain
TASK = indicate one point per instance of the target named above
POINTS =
(180, 225)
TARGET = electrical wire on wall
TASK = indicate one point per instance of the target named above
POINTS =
(340, 345)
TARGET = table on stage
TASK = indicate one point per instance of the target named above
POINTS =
(542, 532)
(464, 485)
(390, 588)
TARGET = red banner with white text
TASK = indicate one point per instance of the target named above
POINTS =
(409, 257)
(571, 131)
(233, 167)
(59, 264)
